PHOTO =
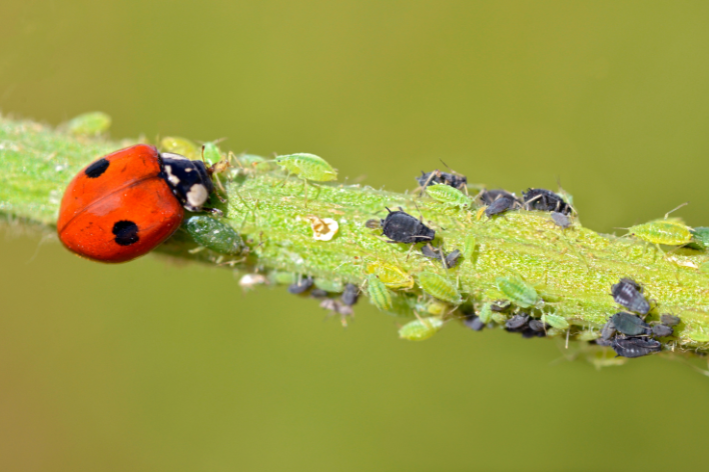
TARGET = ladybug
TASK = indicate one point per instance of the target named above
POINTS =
(125, 204)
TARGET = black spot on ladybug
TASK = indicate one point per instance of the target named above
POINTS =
(97, 168)
(126, 233)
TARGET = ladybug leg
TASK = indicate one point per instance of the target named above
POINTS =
(213, 211)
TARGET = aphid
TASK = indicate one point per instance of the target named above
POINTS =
(249, 281)
(329, 285)
(211, 152)
(501, 205)
(125, 204)
(668, 232)
(421, 329)
(469, 247)
(661, 331)
(431, 252)
(670, 320)
(400, 227)
(544, 200)
(338, 308)
(474, 322)
(555, 321)
(528, 333)
(560, 219)
(350, 295)
(89, 124)
(437, 177)
(181, 146)
(635, 347)
(282, 278)
(518, 291)
(698, 336)
(608, 330)
(517, 322)
(434, 307)
(536, 326)
(307, 167)
(486, 313)
(449, 196)
(373, 224)
(487, 197)
(439, 287)
(501, 305)
(499, 318)
(700, 238)
(390, 275)
(629, 324)
(451, 259)
(588, 335)
(629, 294)
(318, 293)
(214, 235)
(301, 286)
(379, 295)
(323, 229)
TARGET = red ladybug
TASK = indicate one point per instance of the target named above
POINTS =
(125, 204)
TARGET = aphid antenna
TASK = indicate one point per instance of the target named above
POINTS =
(566, 346)
(527, 202)
(675, 209)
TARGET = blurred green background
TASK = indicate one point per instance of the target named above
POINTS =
(150, 366)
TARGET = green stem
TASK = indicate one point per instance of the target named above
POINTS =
(572, 269)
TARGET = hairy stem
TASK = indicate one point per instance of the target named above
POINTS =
(571, 269)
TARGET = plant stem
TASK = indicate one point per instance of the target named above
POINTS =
(571, 269)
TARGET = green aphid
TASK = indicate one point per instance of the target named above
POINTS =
(211, 153)
(390, 275)
(89, 124)
(181, 146)
(421, 329)
(588, 335)
(282, 278)
(214, 235)
(670, 232)
(499, 318)
(333, 286)
(518, 292)
(700, 238)
(553, 332)
(379, 295)
(449, 196)
(307, 166)
(439, 287)
(486, 313)
(555, 321)
(433, 307)
(469, 247)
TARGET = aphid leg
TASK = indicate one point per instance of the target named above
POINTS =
(196, 250)
(283, 182)
(566, 346)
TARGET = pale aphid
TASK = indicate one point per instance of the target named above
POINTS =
(555, 321)
(668, 232)
(89, 124)
(449, 196)
(421, 329)
(469, 247)
(181, 146)
(698, 336)
(434, 307)
(518, 292)
(307, 167)
(588, 335)
(439, 287)
(390, 275)
(379, 295)
(486, 313)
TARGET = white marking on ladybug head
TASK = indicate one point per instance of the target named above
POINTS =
(173, 179)
(197, 196)
(171, 155)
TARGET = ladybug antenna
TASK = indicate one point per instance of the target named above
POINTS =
(684, 204)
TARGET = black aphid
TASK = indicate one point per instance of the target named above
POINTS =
(608, 331)
(629, 294)
(474, 322)
(670, 320)
(501, 205)
(400, 227)
(560, 219)
(437, 177)
(430, 251)
(661, 331)
(488, 196)
(629, 324)
(452, 259)
(350, 295)
(301, 286)
(517, 323)
(536, 325)
(501, 305)
(541, 199)
(318, 293)
(531, 333)
(635, 347)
